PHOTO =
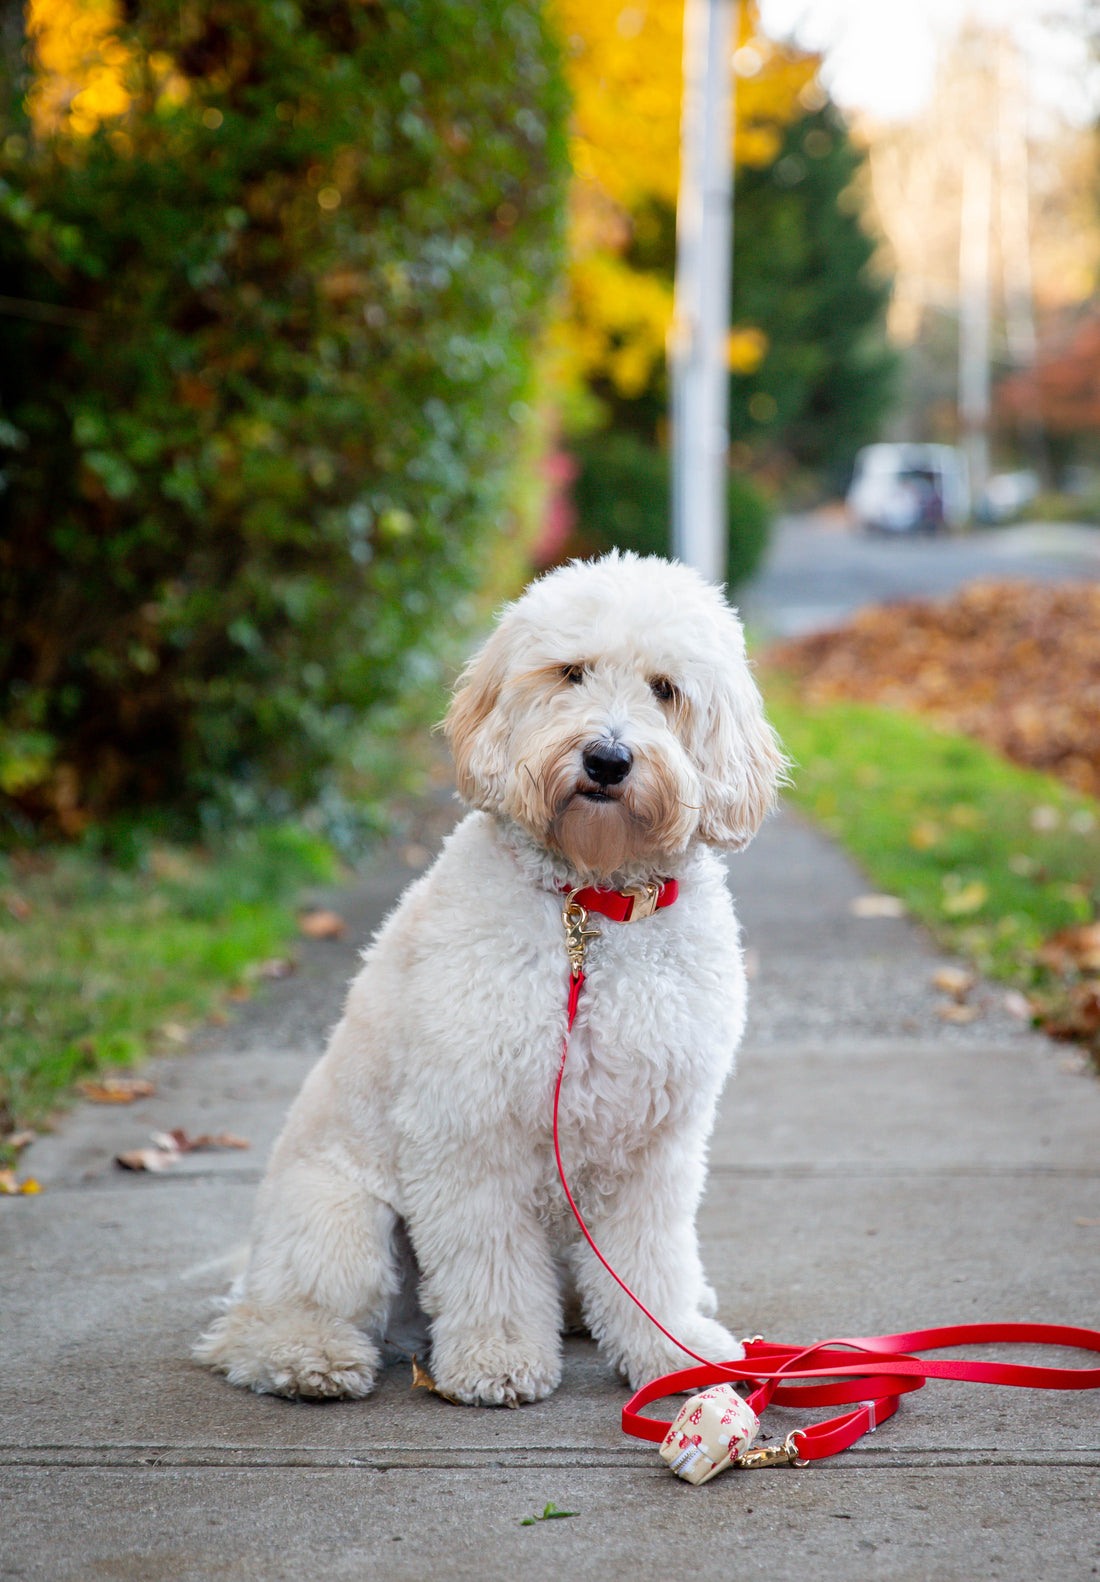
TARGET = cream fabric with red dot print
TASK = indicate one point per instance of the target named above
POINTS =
(710, 1431)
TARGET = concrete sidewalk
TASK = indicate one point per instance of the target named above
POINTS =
(875, 1168)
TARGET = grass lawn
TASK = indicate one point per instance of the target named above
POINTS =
(103, 960)
(991, 857)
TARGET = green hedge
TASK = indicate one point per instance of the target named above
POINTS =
(265, 368)
(622, 494)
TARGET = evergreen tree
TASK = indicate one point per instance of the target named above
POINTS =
(804, 279)
(804, 275)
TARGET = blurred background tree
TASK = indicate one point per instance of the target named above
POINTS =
(808, 360)
(273, 281)
(281, 339)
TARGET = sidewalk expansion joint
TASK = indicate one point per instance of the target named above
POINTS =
(402, 1458)
(841, 1169)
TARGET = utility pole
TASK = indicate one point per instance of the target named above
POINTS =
(974, 315)
(700, 328)
(1015, 222)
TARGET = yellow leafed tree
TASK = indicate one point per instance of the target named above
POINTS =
(625, 64)
(81, 64)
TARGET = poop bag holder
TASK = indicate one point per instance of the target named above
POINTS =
(709, 1433)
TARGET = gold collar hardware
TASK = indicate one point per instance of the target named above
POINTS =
(574, 918)
(645, 900)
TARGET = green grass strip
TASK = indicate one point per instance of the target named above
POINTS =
(993, 858)
(102, 962)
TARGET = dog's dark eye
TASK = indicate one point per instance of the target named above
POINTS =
(662, 688)
(573, 674)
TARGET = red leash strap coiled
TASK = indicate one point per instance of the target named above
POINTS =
(871, 1372)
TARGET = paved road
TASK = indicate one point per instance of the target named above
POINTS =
(874, 1168)
(818, 571)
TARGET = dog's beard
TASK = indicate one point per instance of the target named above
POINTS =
(597, 839)
(646, 819)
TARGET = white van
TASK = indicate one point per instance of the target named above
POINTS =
(909, 488)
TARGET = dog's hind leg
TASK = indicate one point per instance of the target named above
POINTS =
(319, 1284)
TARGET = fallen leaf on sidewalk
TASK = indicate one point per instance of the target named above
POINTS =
(959, 1014)
(118, 1090)
(272, 970)
(955, 981)
(169, 1148)
(10, 1187)
(422, 1380)
(877, 906)
(322, 925)
(152, 1159)
(1017, 1004)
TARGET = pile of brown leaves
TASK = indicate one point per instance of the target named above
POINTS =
(1015, 664)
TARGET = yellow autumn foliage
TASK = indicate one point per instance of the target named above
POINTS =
(624, 62)
(80, 64)
(625, 67)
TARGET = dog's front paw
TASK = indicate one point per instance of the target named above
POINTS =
(488, 1370)
(657, 1355)
(298, 1353)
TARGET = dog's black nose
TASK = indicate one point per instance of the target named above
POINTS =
(607, 763)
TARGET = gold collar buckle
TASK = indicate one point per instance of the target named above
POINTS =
(645, 900)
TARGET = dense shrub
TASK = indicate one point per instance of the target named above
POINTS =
(263, 368)
(621, 495)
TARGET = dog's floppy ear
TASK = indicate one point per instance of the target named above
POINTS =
(476, 731)
(742, 762)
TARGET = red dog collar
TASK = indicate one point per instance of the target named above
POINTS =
(629, 905)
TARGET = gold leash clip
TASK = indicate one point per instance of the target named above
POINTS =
(784, 1455)
(577, 936)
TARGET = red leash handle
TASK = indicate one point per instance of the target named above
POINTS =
(873, 1371)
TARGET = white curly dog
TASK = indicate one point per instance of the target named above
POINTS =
(608, 734)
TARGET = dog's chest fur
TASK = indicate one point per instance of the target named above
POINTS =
(461, 1005)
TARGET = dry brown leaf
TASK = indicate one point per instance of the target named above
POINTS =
(1017, 1004)
(16, 905)
(1015, 664)
(959, 1014)
(180, 1140)
(422, 1380)
(277, 967)
(169, 1148)
(10, 1187)
(117, 1090)
(877, 906)
(322, 925)
(955, 981)
(1075, 1015)
(1072, 950)
(152, 1159)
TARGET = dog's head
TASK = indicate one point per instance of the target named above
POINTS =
(612, 714)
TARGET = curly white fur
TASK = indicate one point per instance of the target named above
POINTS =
(427, 1123)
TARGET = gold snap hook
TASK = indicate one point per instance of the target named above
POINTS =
(784, 1455)
(577, 936)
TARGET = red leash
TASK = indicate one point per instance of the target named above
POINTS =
(871, 1371)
